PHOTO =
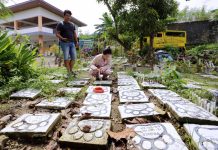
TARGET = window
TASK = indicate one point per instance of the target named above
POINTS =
(159, 35)
(179, 34)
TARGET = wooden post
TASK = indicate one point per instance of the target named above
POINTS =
(15, 25)
(41, 43)
(40, 23)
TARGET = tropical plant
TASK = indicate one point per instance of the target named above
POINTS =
(196, 14)
(114, 25)
(171, 77)
(5, 12)
(16, 58)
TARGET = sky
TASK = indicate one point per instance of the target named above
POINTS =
(89, 11)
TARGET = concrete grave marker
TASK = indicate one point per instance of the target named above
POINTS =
(120, 77)
(125, 82)
(94, 99)
(192, 86)
(129, 87)
(210, 76)
(132, 96)
(103, 82)
(154, 136)
(95, 138)
(137, 110)
(26, 93)
(69, 90)
(186, 111)
(121, 73)
(78, 83)
(56, 81)
(165, 96)
(98, 111)
(105, 88)
(32, 125)
(55, 103)
(204, 136)
(153, 85)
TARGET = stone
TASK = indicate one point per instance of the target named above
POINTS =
(3, 140)
(154, 136)
(121, 73)
(26, 94)
(95, 99)
(56, 81)
(96, 138)
(97, 111)
(133, 96)
(103, 82)
(192, 86)
(59, 75)
(187, 112)
(210, 76)
(106, 89)
(125, 82)
(137, 110)
(55, 103)
(165, 96)
(78, 83)
(205, 137)
(120, 77)
(129, 87)
(69, 90)
(32, 125)
(153, 85)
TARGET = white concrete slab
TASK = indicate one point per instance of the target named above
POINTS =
(97, 111)
(103, 82)
(137, 110)
(125, 82)
(56, 81)
(55, 103)
(32, 125)
(165, 96)
(78, 83)
(190, 113)
(136, 96)
(156, 136)
(204, 136)
(96, 138)
(69, 90)
(26, 93)
(105, 88)
(153, 85)
(95, 99)
(129, 87)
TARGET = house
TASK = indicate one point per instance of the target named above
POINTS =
(37, 19)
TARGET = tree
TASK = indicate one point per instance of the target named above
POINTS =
(114, 25)
(194, 14)
(141, 18)
(147, 17)
(5, 12)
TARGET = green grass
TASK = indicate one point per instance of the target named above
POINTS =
(208, 82)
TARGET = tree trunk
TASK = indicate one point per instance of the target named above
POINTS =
(151, 50)
(126, 47)
(141, 43)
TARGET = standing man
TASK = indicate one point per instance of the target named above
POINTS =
(68, 39)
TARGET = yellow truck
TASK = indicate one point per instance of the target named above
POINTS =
(168, 38)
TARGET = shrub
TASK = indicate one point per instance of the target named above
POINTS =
(16, 58)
